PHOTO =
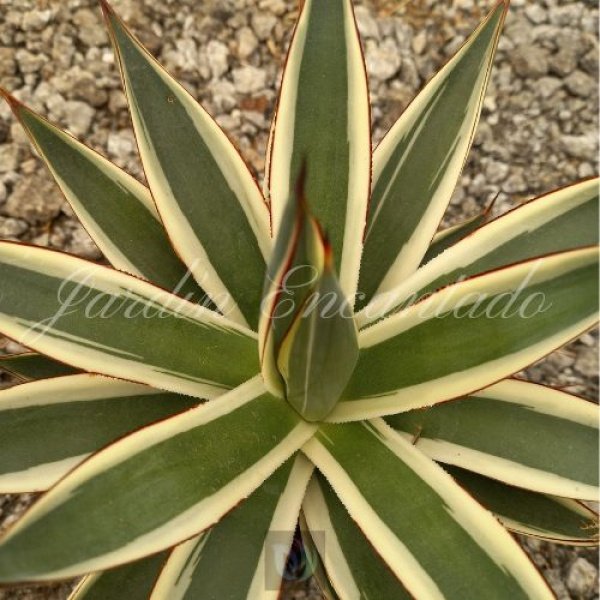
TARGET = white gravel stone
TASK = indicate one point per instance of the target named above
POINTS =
(249, 79)
(36, 20)
(383, 60)
(581, 84)
(78, 117)
(582, 579)
(217, 55)
(263, 25)
(367, 25)
(580, 146)
(247, 42)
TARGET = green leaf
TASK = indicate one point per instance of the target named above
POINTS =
(472, 334)
(133, 581)
(116, 210)
(209, 203)
(448, 237)
(558, 520)
(562, 220)
(294, 270)
(30, 365)
(418, 163)
(521, 433)
(48, 427)
(319, 354)
(432, 535)
(232, 559)
(323, 121)
(154, 488)
(308, 339)
(353, 567)
(101, 320)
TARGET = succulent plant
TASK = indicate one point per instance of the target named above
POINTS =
(232, 370)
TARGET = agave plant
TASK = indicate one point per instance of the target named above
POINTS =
(233, 370)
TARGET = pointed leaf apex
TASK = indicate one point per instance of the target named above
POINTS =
(13, 102)
(107, 9)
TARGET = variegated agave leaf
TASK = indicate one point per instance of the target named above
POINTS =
(179, 444)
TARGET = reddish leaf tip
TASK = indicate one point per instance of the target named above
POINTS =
(107, 9)
(13, 102)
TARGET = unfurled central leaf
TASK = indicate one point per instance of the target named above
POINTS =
(307, 333)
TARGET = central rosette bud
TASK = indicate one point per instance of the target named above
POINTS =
(308, 338)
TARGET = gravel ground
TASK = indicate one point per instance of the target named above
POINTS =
(539, 128)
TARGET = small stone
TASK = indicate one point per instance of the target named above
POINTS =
(548, 86)
(581, 84)
(81, 244)
(35, 199)
(536, 14)
(404, 36)
(589, 62)
(582, 578)
(89, 28)
(30, 62)
(247, 42)
(409, 74)
(85, 87)
(567, 15)
(367, 25)
(223, 96)
(263, 25)
(249, 79)
(78, 117)
(496, 172)
(8, 64)
(187, 54)
(277, 7)
(563, 62)
(12, 228)
(580, 146)
(117, 101)
(36, 20)
(586, 170)
(121, 145)
(217, 55)
(3, 192)
(587, 362)
(529, 61)
(9, 158)
(419, 42)
(383, 60)
(515, 184)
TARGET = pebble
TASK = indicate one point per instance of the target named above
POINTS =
(548, 86)
(217, 55)
(249, 79)
(367, 25)
(263, 24)
(580, 146)
(581, 84)
(247, 42)
(536, 13)
(78, 117)
(383, 60)
(35, 199)
(582, 579)
(89, 27)
(529, 61)
(12, 228)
